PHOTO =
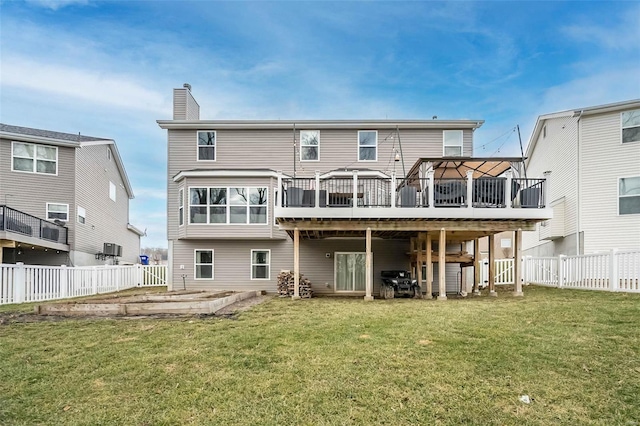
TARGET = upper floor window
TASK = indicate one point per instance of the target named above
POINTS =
(629, 195)
(33, 158)
(631, 126)
(206, 146)
(58, 211)
(112, 191)
(452, 145)
(309, 145)
(367, 145)
(228, 205)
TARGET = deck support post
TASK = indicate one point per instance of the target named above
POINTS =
(369, 284)
(429, 268)
(420, 259)
(492, 266)
(476, 267)
(517, 263)
(296, 264)
(442, 274)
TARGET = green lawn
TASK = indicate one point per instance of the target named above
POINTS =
(329, 361)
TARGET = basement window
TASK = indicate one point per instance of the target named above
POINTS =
(203, 264)
(260, 264)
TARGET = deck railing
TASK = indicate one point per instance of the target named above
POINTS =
(484, 192)
(18, 222)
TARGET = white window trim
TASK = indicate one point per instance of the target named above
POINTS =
(181, 206)
(115, 191)
(444, 146)
(618, 196)
(57, 204)
(335, 272)
(367, 146)
(628, 127)
(259, 264)
(215, 146)
(84, 216)
(310, 161)
(228, 206)
(35, 161)
(195, 265)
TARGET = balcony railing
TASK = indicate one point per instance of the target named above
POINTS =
(484, 192)
(12, 220)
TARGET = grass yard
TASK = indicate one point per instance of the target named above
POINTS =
(330, 361)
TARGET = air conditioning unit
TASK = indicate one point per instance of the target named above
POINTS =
(111, 249)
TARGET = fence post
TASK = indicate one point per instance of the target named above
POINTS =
(19, 283)
(614, 284)
(138, 275)
(64, 282)
(561, 270)
(94, 280)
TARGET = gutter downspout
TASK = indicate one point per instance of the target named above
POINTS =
(579, 130)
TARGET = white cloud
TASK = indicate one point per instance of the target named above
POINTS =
(90, 85)
(57, 4)
(623, 36)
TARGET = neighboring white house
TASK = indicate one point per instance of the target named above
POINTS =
(593, 155)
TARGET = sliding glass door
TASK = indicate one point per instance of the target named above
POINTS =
(350, 271)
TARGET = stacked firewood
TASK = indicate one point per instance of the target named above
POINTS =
(286, 283)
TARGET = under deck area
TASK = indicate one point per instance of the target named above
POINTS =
(427, 239)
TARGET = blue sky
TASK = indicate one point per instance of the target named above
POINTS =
(107, 68)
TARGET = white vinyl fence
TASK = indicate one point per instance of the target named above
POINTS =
(503, 272)
(33, 283)
(612, 271)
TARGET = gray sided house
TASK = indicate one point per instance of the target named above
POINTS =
(62, 197)
(593, 155)
(336, 200)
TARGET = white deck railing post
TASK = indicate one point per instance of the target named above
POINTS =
(614, 283)
(431, 189)
(64, 282)
(355, 189)
(393, 189)
(19, 283)
(279, 190)
(317, 201)
(507, 189)
(470, 188)
(545, 188)
(561, 260)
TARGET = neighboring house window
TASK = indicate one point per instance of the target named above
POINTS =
(112, 191)
(32, 158)
(203, 264)
(58, 211)
(260, 264)
(631, 126)
(367, 145)
(309, 145)
(228, 205)
(82, 215)
(629, 195)
(181, 206)
(206, 146)
(452, 143)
